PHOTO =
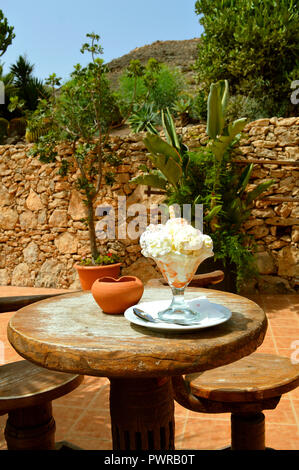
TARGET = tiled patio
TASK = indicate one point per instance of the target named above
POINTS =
(82, 417)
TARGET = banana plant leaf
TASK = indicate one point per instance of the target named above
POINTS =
(157, 146)
(212, 213)
(155, 179)
(169, 129)
(244, 179)
(256, 192)
(219, 146)
(237, 212)
(224, 95)
(216, 108)
(170, 168)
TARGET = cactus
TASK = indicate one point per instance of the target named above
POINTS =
(3, 128)
(33, 135)
(35, 129)
(17, 126)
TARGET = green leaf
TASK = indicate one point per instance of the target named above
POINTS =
(154, 179)
(157, 146)
(224, 95)
(170, 129)
(256, 192)
(170, 168)
(244, 179)
(219, 146)
(212, 213)
(216, 108)
(237, 126)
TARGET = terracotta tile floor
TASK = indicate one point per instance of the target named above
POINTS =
(82, 417)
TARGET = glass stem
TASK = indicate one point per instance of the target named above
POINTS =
(178, 296)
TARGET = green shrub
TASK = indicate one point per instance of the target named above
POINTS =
(254, 45)
(101, 260)
(252, 108)
(156, 83)
(167, 86)
(199, 106)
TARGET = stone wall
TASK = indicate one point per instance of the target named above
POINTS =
(42, 234)
(275, 220)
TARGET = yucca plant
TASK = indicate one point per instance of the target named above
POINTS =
(183, 107)
(144, 118)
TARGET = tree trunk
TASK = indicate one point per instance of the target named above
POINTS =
(92, 233)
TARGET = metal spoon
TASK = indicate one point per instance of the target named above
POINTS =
(146, 316)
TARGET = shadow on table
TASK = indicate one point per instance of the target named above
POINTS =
(237, 322)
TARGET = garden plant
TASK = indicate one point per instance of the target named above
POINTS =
(208, 176)
(254, 44)
(82, 115)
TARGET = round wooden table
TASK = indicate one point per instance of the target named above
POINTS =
(70, 333)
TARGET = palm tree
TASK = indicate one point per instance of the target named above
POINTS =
(22, 71)
(10, 90)
(30, 88)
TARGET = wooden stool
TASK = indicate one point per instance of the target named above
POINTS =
(244, 388)
(26, 394)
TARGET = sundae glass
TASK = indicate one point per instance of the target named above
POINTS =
(178, 249)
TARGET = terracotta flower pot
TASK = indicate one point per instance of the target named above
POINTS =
(89, 274)
(116, 295)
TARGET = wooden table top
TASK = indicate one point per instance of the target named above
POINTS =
(70, 333)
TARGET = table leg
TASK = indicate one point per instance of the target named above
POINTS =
(142, 414)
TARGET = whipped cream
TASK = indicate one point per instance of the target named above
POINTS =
(178, 237)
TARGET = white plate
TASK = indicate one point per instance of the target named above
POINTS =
(213, 314)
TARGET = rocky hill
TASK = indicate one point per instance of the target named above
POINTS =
(181, 54)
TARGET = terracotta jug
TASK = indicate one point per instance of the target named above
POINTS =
(116, 295)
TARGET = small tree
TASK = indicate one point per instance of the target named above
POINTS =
(81, 114)
(6, 34)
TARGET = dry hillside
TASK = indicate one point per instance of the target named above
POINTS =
(181, 54)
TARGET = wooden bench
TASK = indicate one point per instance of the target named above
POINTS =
(244, 388)
(15, 302)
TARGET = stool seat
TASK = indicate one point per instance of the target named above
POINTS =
(26, 395)
(243, 388)
(255, 377)
(25, 384)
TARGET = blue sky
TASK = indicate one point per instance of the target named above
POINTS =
(51, 33)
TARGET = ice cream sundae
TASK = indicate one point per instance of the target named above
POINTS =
(178, 249)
